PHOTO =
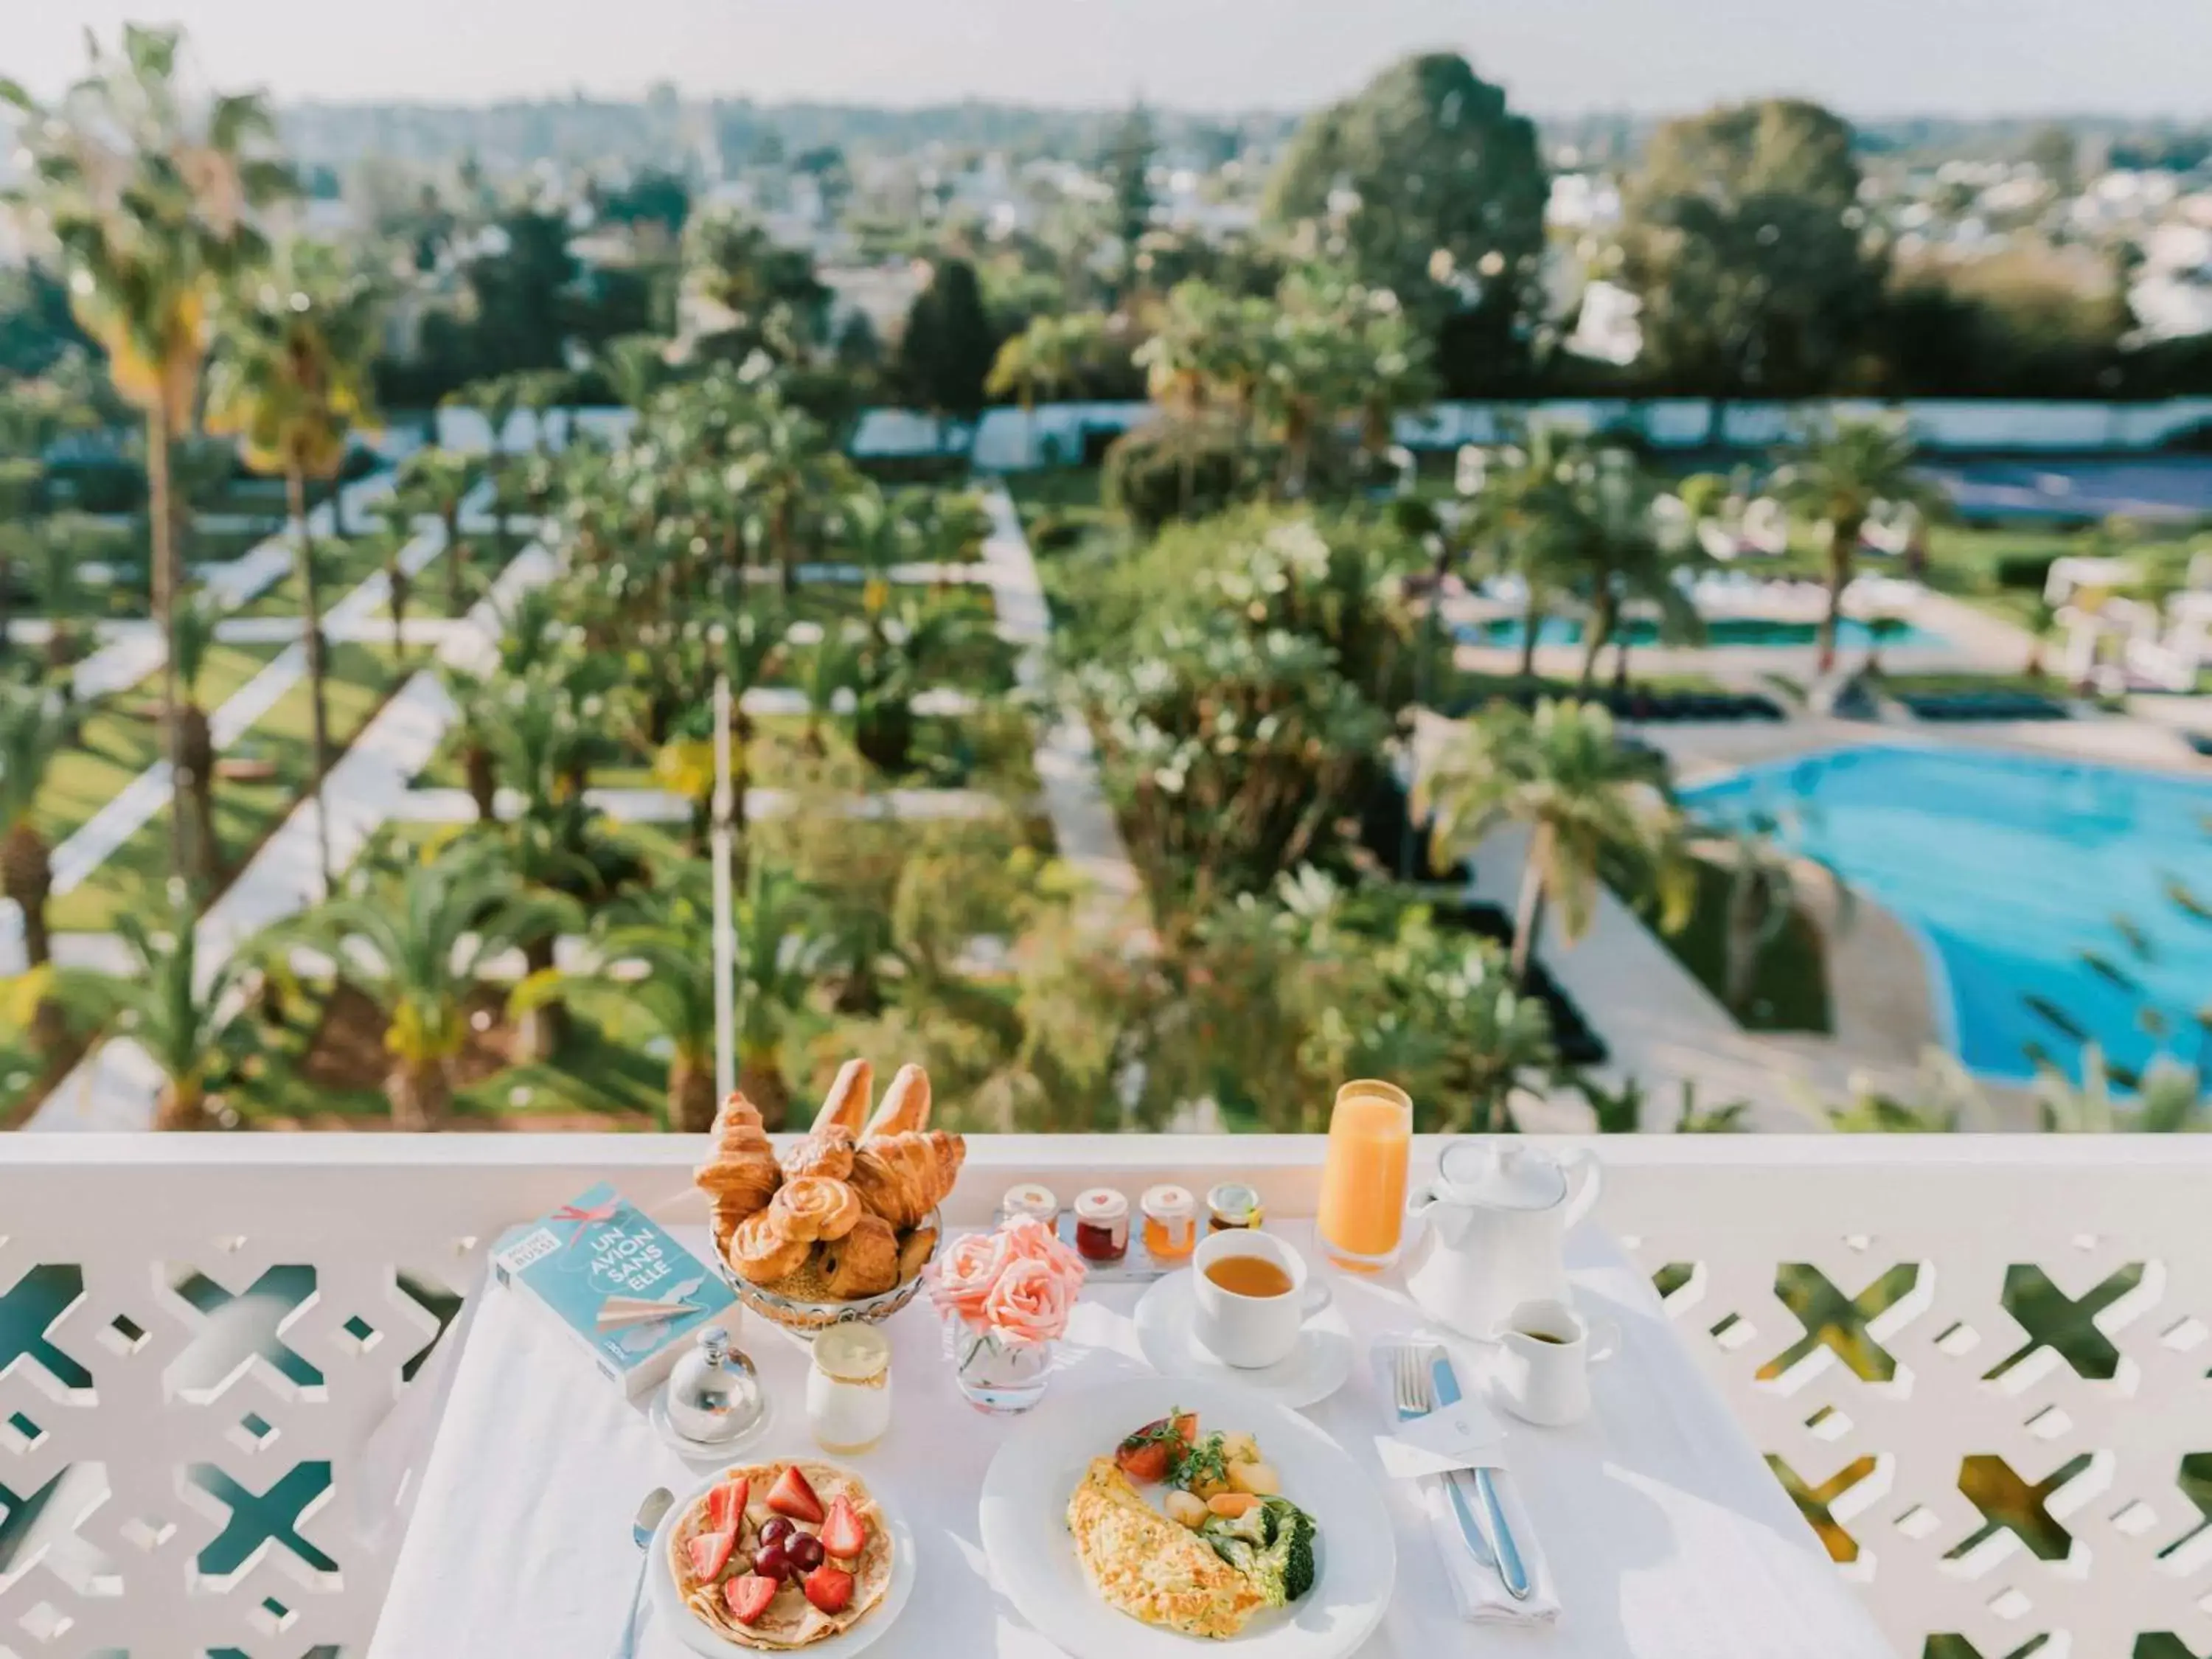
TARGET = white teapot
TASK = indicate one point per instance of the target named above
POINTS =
(1497, 1218)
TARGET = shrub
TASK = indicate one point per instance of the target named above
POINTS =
(2024, 570)
(1184, 469)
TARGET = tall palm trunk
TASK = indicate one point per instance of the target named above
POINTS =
(161, 535)
(181, 1106)
(1842, 545)
(199, 793)
(396, 585)
(311, 616)
(1529, 909)
(420, 1092)
(457, 560)
(760, 1080)
(545, 1028)
(690, 1095)
(483, 781)
(27, 876)
(1532, 623)
(1595, 632)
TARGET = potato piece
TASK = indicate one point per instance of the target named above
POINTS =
(1185, 1509)
(1240, 1449)
(1230, 1504)
(1260, 1479)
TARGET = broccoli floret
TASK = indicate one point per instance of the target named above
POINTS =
(1288, 1558)
(1271, 1544)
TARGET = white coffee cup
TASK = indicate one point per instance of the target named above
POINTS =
(1249, 1332)
(1545, 1352)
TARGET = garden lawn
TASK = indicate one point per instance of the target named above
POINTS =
(124, 737)
(134, 876)
(1790, 991)
(346, 565)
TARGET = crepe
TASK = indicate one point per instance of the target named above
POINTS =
(791, 1621)
(1144, 1564)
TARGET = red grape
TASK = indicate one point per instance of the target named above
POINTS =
(805, 1552)
(774, 1529)
(773, 1561)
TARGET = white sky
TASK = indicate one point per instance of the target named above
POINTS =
(1866, 57)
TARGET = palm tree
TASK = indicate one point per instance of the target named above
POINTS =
(1837, 474)
(34, 727)
(390, 540)
(1043, 358)
(1584, 798)
(193, 636)
(439, 481)
(633, 366)
(1621, 554)
(655, 962)
(148, 191)
(828, 667)
(420, 944)
(192, 1019)
(789, 473)
(780, 953)
(1525, 513)
(292, 381)
(480, 713)
(496, 400)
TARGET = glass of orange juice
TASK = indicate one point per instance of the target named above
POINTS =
(1362, 1179)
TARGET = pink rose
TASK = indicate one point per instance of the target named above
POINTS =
(1029, 1239)
(1029, 1303)
(963, 1276)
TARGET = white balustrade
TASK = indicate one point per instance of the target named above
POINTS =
(142, 1395)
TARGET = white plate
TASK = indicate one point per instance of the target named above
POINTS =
(1026, 1537)
(1316, 1369)
(668, 1606)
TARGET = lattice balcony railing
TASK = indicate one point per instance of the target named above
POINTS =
(1982, 1362)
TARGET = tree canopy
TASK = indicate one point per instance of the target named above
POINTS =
(1743, 239)
(1437, 190)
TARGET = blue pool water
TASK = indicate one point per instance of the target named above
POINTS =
(2039, 884)
(1719, 630)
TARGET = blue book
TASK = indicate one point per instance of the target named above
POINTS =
(636, 1296)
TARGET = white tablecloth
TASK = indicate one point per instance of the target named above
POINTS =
(1669, 1537)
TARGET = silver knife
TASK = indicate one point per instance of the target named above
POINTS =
(1510, 1566)
(1468, 1530)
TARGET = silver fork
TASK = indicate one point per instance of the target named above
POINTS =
(1414, 1396)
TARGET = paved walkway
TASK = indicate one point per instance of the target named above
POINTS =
(1088, 836)
(115, 1086)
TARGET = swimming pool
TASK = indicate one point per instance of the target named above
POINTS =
(1719, 630)
(2044, 888)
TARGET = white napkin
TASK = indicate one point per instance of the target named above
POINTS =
(1477, 1589)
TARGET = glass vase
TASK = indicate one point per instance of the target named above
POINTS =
(997, 1377)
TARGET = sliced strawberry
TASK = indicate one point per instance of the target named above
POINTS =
(725, 1505)
(710, 1553)
(749, 1596)
(844, 1533)
(831, 1588)
(792, 1496)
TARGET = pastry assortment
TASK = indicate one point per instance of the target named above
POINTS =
(844, 1212)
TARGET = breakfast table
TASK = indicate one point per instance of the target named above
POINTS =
(1665, 1534)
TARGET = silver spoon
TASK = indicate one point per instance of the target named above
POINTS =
(647, 1522)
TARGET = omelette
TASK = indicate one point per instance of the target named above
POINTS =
(1143, 1564)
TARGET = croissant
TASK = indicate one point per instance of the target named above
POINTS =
(915, 1253)
(740, 1173)
(825, 1153)
(847, 1103)
(906, 1105)
(760, 1254)
(812, 1208)
(903, 1177)
(864, 1262)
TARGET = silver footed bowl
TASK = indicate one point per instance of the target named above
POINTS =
(805, 1318)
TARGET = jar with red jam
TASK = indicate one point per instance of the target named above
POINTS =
(1101, 1224)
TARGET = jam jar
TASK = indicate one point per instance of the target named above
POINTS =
(1232, 1203)
(1171, 1223)
(1101, 1224)
(1032, 1199)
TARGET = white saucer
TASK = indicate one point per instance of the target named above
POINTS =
(1316, 1369)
